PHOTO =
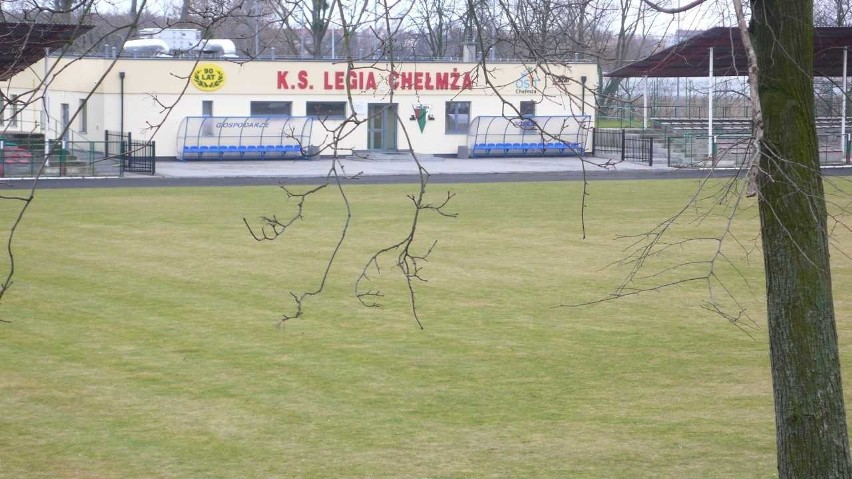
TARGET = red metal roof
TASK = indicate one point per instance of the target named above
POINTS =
(691, 58)
(22, 44)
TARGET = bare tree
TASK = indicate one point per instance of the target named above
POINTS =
(832, 13)
(313, 17)
(628, 37)
(184, 11)
(785, 175)
(62, 9)
(435, 20)
(809, 406)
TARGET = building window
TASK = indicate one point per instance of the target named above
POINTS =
(207, 110)
(13, 121)
(527, 108)
(271, 108)
(326, 110)
(458, 117)
(84, 116)
(65, 117)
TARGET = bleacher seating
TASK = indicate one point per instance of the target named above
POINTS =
(735, 125)
(222, 152)
(244, 138)
(505, 149)
(721, 125)
(528, 136)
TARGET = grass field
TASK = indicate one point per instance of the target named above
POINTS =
(144, 344)
(619, 122)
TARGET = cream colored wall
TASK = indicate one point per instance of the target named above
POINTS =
(159, 93)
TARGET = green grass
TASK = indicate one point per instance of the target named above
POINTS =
(144, 344)
(619, 122)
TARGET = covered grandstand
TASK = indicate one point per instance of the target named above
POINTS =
(715, 134)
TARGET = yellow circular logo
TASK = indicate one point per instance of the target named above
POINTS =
(208, 77)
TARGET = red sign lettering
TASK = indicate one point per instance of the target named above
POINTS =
(302, 82)
(367, 80)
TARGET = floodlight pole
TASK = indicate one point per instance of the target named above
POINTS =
(45, 110)
(843, 106)
(710, 109)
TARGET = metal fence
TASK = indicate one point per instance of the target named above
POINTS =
(134, 156)
(140, 157)
(30, 157)
(624, 145)
(736, 150)
(638, 150)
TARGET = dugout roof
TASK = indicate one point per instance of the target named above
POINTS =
(22, 44)
(691, 57)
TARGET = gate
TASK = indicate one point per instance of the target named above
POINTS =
(639, 150)
(626, 146)
(135, 156)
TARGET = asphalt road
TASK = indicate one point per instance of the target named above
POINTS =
(137, 181)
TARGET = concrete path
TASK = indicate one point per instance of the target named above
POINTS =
(388, 165)
(384, 168)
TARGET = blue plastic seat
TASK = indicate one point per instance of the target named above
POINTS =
(191, 150)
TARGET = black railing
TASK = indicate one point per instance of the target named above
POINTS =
(134, 156)
(608, 140)
(734, 151)
(140, 157)
(638, 150)
(624, 145)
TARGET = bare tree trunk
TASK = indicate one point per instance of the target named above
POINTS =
(184, 11)
(63, 11)
(319, 25)
(841, 9)
(809, 410)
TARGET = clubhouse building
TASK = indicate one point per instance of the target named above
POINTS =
(207, 109)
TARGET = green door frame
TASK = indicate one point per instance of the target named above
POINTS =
(381, 126)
